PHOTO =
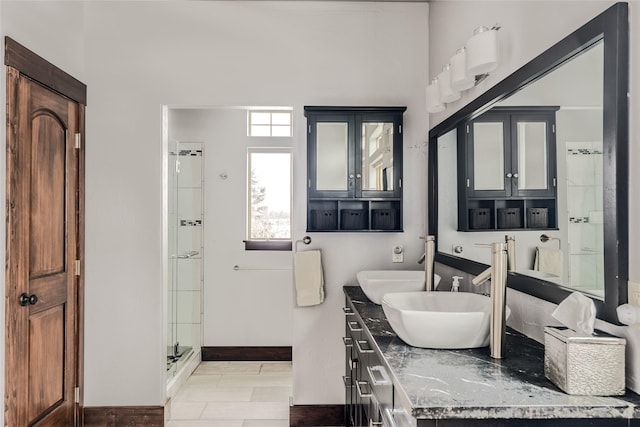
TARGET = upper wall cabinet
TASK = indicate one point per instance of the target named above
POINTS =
(508, 162)
(354, 168)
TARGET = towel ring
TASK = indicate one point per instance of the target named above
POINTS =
(306, 240)
(544, 238)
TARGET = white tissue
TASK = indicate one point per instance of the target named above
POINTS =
(577, 312)
(628, 314)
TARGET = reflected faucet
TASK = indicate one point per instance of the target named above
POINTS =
(428, 258)
(498, 275)
(511, 252)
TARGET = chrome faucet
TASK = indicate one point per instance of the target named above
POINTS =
(428, 258)
(498, 275)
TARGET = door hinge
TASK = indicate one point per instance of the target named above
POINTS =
(400, 183)
(468, 183)
(309, 128)
(77, 267)
(468, 129)
(400, 129)
(553, 128)
(78, 140)
(554, 182)
(309, 183)
(76, 394)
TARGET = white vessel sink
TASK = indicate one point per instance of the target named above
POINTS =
(377, 283)
(445, 320)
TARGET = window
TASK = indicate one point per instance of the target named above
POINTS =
(269, 123)
(269, 199)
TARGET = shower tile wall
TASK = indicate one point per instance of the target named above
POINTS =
(185, 240)
(584, 197)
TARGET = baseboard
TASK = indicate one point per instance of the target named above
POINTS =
(118, 416)
(246, 354)
(316, 415)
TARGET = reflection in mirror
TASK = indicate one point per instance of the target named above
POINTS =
(488, 163)
(332, 151)
(377, 156)
(532, 155)
(575, 257)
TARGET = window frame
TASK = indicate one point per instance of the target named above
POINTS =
(276, 244)
(271, 126)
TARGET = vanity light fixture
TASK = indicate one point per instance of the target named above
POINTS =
(482, 50)
(434, 103)
(467, 67)
(447, 93)
(460, 79)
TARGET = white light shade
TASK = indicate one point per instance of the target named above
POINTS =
(482, 51)
(434, 104)
(460, 80)
(447, 93)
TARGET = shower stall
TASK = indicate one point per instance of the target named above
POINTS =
(185, 253)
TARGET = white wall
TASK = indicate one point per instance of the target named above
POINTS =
(53, 30)
(252, 306)
(528, 28)
(141, 55)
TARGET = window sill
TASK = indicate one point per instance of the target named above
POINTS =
(267, 245)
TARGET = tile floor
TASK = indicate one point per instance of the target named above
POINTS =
(234, 394)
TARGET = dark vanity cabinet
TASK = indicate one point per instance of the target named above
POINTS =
(507, 170)
(354, 168)
(368, 386)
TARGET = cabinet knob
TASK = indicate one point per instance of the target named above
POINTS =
(515, 175)
(351, 176)
(358, 176)
(509, 175)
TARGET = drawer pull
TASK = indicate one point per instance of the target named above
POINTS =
(375, 423)
(348, 311)
(378, 375)
(360, 344)
(348, 341)
(353, 364)
(354, 326)
(363, 389)
(346, 380)
(387, 416)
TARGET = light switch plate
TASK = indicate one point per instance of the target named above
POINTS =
(397, 254)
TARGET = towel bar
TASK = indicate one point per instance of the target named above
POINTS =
(238, 268)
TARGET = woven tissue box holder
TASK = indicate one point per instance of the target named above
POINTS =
(584, 365)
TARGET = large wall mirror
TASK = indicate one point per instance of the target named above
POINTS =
(584, 76)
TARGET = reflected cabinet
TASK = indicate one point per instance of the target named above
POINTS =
(354, 168)
(507, 164)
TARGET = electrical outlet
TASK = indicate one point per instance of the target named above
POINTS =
(397, 254)
(633, 291)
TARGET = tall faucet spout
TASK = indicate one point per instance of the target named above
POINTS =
(498, 274)
(430, 254)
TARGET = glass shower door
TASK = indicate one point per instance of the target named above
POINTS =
(185, 253)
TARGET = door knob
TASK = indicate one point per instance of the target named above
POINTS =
(26, 299)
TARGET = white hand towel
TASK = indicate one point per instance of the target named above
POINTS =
(308, 277)
(549, 260)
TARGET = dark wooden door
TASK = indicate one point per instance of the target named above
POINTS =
(43, 201)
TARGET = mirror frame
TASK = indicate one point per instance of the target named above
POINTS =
(612, 27)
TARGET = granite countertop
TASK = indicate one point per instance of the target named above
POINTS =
(456, 384)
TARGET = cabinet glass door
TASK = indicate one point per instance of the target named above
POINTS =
(377, 157)
(488, 158)
(532, 156)
(332, 151)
